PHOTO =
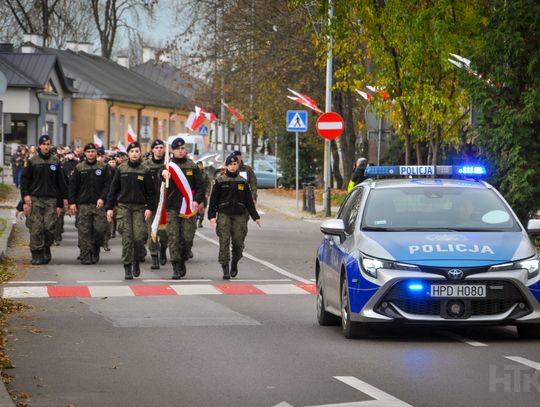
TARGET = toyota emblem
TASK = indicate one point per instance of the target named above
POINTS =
(455, 274)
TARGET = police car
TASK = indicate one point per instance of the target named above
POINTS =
(441, 248)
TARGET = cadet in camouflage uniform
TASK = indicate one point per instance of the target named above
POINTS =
(132, 189)
(232, 202)
(181, 229)
(247, 172)
(157, 249)
(87, 192)
(43, 190)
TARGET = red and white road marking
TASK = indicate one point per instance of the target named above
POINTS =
(99, 291)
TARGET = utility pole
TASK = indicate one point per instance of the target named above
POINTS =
(222, 84)
(328, 108)
(251, 82)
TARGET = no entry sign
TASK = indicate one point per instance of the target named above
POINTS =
(330, 125)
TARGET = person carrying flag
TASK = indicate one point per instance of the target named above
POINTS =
(132, 189)
(183, 196)
(232, 203)
(157, 248)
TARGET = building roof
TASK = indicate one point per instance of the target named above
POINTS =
(31, 70)
(171, 77)
(97, 77)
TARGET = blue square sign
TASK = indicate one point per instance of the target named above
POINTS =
(297, 120)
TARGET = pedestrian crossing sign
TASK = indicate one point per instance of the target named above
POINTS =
(297, 120)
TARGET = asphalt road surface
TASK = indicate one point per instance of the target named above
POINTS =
(93, 339)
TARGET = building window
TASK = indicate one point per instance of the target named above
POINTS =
(172, 128)
(122, 127)
(132, 123)
(112, 136)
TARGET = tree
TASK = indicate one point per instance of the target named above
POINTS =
(112, 15)
(508, 97)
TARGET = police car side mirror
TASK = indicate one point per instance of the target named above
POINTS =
(533, 227)
(334, 227)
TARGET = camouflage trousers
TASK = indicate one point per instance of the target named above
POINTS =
(42, 222)
(92, 227)
(132, 227)
(181, 232)
(231, 229)
(161, 240)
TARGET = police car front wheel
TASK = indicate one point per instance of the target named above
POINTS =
(529, 331)
(349, 328)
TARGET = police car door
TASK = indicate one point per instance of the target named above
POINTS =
(339, 251)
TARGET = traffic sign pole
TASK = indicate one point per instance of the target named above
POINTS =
(297, 182)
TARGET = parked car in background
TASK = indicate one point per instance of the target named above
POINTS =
(211, 162)
(266, 173)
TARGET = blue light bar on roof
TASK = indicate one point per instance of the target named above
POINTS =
(426, 170)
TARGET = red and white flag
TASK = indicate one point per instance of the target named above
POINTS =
(131, 135)
(193, 121)
(97, 141)
(181, 182)
(232, 110)
(121, 147)
(304, 100)
(160, 218)
(211, 117)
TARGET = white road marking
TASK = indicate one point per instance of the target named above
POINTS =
(523, 361)
(32, 282)
(268, 280)
(261, 212)
(196, 289)
(263, 262)
(463, 339)
(313, 220)
(200, 280)
(98, 281)
(382, 399)
(25, 292)
(280, 289)
(111, 291)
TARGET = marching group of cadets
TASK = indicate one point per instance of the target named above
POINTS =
(138, 194)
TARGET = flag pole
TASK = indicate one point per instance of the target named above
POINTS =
(167, 163)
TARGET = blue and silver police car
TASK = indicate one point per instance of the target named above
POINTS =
(442, 248)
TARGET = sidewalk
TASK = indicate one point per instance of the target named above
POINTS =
(7, 212)
(287, 206)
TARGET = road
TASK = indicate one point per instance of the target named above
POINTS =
(93, 339)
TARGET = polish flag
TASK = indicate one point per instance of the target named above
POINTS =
(232, 110)
(304, 100)
(97, 141)
(382, 92)
(181, 182)
(131, 136)
(160, 218)
(121, 147)
(365, 95)
(193, 121)
(207, 115)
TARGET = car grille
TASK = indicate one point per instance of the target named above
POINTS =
(501, 297)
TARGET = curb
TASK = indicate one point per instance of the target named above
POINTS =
(5, 398)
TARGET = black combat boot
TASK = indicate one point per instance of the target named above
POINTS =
(234, 268)
(127, 269)
(37, 257)
(226, 274)
(136, 269)
(155, 262)
(163, 255)
(86, 258)
(106, 246)
(183, 270)
(176, 271)
(95, 254)
(47, 255)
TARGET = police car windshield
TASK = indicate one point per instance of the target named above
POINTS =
(437, 209)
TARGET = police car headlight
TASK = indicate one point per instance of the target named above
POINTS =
(371, 265)
(532, 265)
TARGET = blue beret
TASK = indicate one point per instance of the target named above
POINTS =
(42, 139)
(157, 142)
(231, 159)
(177, 142)
(89, 146)
(134, 144)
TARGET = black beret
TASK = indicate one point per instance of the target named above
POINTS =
(100, 151)
(231, 159)
(237, 152)
(157, 142)
(89, 146)
(42, 139)
(177, 142)
(134, 144)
